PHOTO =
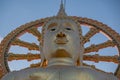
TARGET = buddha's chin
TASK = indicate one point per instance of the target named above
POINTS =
(61, 53)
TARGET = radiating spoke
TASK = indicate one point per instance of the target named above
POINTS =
(28, 56)
(97, 58)
(35, 65)
(89, 34)
(34, 31)
(95, 48)
(30, 46)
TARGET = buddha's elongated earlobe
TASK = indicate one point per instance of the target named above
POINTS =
(78, 62)
(43, 60)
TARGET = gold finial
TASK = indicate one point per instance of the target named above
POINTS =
(62, 10)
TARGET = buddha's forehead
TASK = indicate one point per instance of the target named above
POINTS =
(61, 22)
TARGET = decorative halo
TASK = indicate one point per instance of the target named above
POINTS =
(95, 27)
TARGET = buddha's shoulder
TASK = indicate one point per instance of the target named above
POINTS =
(85, 69)
(96, 74)
(89, 70)
(22, 73)
(28, 70)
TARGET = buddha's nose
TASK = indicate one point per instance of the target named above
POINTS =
(61, 38)
(60, 35)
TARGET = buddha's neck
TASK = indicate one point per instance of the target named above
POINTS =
(61, 61)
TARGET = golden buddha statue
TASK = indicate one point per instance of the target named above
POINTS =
(62, 51)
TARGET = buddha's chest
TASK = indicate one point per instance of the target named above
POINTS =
(61, 74)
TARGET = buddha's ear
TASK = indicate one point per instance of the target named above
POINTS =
(41, 55)
(40, 48)
(79, 61)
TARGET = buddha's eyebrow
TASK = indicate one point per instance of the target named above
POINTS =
(52, 25)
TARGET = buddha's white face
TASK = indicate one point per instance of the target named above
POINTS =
(61, 40)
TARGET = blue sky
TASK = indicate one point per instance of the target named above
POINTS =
(14, 13)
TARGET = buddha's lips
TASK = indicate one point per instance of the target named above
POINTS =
(61, 40)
